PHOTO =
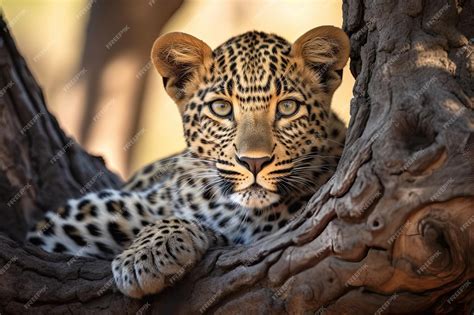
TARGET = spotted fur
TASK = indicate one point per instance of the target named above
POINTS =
(243, 176)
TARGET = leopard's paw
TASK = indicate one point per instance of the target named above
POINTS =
(161, 254)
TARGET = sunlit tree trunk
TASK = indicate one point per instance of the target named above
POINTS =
(116, 56)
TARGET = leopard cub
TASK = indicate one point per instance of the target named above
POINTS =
(261, 139)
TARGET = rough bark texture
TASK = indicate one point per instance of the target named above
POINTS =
(392, 232)
(40, 166)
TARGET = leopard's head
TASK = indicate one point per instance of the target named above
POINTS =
(256, 106)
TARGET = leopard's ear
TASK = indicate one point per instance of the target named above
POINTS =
(325, 50)
(179, 58)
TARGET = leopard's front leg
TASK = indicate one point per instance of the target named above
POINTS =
(160, 255)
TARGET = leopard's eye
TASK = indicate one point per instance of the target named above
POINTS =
(221, 108)
(288, 108)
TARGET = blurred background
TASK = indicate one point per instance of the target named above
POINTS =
(91, 58)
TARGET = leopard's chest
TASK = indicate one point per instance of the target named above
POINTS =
(240, 225)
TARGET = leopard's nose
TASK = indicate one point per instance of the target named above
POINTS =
(254, 165)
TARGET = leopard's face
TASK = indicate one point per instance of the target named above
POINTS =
(257, 107)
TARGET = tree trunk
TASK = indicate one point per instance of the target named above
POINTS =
(143, 22)
(391, 232)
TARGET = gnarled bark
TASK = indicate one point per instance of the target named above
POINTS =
(391, 232)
